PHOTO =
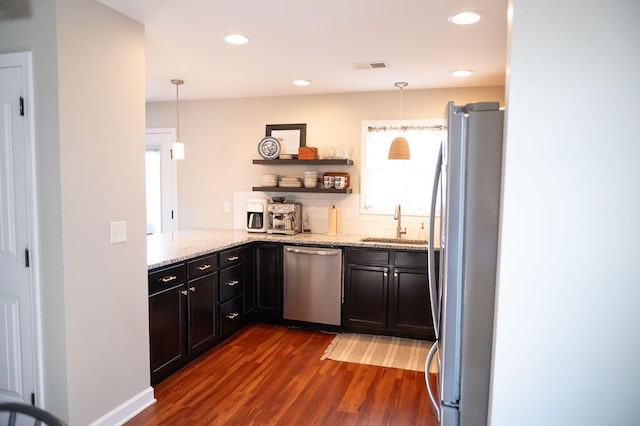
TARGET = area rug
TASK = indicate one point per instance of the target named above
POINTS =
(384, 351)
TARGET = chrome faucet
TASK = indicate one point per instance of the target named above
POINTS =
(398, 216)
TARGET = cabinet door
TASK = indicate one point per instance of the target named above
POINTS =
(409, 310)
(202, 313)
(268, 279)
(365, 296)
(167, 332)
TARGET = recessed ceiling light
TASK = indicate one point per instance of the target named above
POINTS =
(465, 18)
(236, 39)
(301, 82)
(461, 73)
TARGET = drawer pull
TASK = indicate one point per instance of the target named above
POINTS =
(193, 289)
(232, 315)
(232, 258)
(233, 283)
(395, 274)
(184, 292)
(203, 267)
(168, 278)
(385, 274)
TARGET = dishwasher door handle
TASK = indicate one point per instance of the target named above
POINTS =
(313, 252)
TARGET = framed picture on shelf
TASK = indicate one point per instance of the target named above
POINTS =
(291, 136)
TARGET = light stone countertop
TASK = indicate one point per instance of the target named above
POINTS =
(164, 249)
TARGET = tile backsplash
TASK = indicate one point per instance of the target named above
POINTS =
(350, 222)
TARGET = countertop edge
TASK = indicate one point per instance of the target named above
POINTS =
(170, 248)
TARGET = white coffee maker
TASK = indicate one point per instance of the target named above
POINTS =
(258, 219)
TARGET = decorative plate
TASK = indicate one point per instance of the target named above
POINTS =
(269, 148)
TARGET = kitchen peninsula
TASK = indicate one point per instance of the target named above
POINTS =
(205, 284)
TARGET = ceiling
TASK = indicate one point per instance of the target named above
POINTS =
(315, 40)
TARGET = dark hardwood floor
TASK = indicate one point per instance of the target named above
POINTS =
(271, 375)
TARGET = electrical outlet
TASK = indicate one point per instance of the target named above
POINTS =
(226, 207)
(118, 232)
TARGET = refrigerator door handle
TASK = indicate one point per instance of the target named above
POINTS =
(433, 290)
(432, 397)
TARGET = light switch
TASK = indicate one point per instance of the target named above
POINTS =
(118, 232)
(226, 207)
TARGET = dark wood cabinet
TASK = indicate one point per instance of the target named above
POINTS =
(182, 313)
(409, 309)
(202, 313)
(202, 274)
(387, 292)
(366, 296)
(268, 282)
(231, 291)
(167, 321)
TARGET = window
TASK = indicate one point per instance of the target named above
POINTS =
(386, 183)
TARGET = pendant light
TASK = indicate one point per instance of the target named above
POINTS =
(177, 149)
(399, 149)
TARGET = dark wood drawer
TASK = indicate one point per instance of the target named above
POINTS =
(231, 316)
(167, 277)
(202, 266)
(367, 256)
(230, 257)
(412, 259)
(230, 282)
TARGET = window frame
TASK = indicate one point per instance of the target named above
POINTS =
(364, 175)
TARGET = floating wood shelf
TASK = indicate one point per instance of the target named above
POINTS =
(317, 190)
(304, 162)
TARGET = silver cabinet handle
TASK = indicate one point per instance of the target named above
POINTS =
(168, 278)
(232, 315)
(233, 283)
(184, 292)
(193, 289)
(232, 258)
(314, 252)
(385, 274)
(203, 267)
(395, 274)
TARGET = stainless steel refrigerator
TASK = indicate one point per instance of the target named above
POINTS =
(467, 189)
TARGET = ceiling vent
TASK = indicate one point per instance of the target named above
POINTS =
(370, 65)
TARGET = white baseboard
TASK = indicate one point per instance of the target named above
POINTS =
(127, 410)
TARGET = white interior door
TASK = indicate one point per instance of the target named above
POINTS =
(161, 181)
(18, 343)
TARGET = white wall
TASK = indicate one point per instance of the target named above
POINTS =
(221, 138)
(89, 110)
(567, 343)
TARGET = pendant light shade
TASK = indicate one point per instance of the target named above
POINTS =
(177, 148)
(399, 149)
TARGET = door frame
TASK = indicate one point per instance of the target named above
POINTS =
(169, 177)
(24, 61)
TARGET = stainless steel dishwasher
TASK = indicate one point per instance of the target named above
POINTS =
(312, 284)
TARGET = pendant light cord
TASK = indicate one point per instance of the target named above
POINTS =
(401, 105)
(177, 82)
(401, 85)
(177, 113)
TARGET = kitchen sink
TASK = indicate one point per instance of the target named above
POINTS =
(392, 240)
